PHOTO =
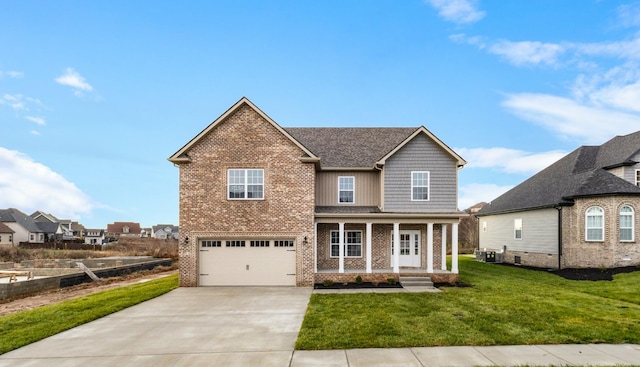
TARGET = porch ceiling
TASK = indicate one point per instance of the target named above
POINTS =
(389, 218)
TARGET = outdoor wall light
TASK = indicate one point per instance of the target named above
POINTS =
(304, 241)
(186, 240)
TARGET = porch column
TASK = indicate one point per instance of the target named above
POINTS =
(429, 248)
(454, 248)
(341, 247)
(368, 244)
(444, 247)
(315, 247)
(396, 247)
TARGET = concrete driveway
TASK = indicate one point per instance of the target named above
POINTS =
(214, 326)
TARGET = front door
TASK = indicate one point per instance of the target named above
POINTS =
(409, 249)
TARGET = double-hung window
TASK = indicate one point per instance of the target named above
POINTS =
(420, 185)
(346, 189)
(517, 228)
(626, 223)
(594, 224)
(245, 184)
(352, 244)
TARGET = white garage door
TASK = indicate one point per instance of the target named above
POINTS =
(247, 262)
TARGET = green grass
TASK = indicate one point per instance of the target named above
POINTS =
(505, 306)
(26, 327)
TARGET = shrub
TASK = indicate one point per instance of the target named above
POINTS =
(358, 279)
(391, 281)
(327, 283)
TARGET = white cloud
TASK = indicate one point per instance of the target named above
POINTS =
(38, 120)
(11, 74)
(34, 132)
(571, 119)
(509, 160)
(31, 186)
(73, 79)
(527, 52)
(475, 193)
(629, 15)
(458, 11)
(19, 102)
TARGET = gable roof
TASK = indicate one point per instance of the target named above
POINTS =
(16, 216)
(363, 148)
(116, 227)
(181, 155)
(581, 173)
(5, 228)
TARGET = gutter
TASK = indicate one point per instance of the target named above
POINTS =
(559, 208)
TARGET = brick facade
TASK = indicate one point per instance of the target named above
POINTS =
(245, 140)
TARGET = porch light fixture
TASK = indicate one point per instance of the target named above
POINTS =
(304, 241)
(186, 240)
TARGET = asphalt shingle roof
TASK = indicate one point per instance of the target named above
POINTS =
(350, 147)
(581, 173)
(15, 215)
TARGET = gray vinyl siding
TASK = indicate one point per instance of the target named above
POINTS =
(539, 231)
(367, 187)
(421, 154)
(628, 173)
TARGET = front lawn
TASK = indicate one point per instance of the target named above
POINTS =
(505, 306)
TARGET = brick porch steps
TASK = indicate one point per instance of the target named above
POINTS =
(408, 282)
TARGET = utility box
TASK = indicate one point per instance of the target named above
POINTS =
(490, 256)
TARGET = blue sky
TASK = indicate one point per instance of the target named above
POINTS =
(95, 95)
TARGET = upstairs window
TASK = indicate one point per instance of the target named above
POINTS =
(594, 224)
(626, 223)
(420, 185)
(517, 228)
(245, 184)
(638, 177)
(346, 190)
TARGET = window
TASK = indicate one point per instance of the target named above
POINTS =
(346, 190)
(352, 244)
(235, 243)
(208, 243)
(626, 223)
(420, 186)
(245, 184)
(638, 177)
(285, 243)
(517, 228)
(594, 224)
(484, 226)
(259, 244)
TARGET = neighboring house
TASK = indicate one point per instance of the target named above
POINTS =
(580, 212)
(25, 228)
(6, 234)
(123, 229)
(66, 231)
(94, 236)
(265, 205)
(164, 231)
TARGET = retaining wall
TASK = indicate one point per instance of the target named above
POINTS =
(29, 287)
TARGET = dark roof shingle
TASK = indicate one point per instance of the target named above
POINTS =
(581, 173)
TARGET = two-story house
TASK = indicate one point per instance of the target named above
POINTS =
(266, 205)
(6, 234)
(164, 231)
(123, 229)
(94, 236)
(577, 213)
(25, 228)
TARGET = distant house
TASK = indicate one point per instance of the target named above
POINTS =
(123, 229)
(164, 231)
(67, 229)
(580, 212)
(94, 236)
(25, 228)
(6, 234)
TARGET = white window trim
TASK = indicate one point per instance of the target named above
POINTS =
(633, 223)
(428, 185)
(345, 245)
(246, 183)
(517, 225)
(586, 221)
(353, 191)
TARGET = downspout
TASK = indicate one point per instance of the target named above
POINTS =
(559, 208)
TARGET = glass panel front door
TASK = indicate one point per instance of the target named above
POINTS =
(409, 248)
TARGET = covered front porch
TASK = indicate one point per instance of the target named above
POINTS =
(378, 247)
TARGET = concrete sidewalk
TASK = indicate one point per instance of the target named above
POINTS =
(258, 326)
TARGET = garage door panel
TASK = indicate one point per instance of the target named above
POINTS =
(247, 265)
